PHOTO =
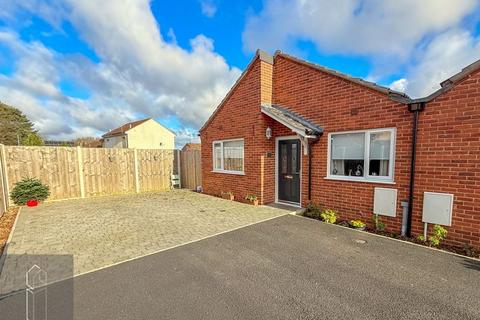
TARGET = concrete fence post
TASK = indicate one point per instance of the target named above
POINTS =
(137, 178)
(81, 173)
(6, 189)
(3, 183)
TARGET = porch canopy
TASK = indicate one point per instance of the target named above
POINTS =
(303, 128)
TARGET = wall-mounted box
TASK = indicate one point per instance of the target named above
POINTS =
(385, 202)
(437, 208)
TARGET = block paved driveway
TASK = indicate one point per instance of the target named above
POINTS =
(284, 268)
(103, 231)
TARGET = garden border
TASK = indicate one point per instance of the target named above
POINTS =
(3, 256)
(390, 238)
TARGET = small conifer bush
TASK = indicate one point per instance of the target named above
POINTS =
(29, 189)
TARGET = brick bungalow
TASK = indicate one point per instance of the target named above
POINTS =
(294, 132)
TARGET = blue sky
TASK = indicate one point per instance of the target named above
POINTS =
(79, 69)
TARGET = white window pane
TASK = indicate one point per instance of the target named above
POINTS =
(217, 155)
(380, 143)
(349, 146)
(347, 154)
(233, 155)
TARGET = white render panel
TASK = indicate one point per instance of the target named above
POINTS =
(437, 208)
(385, 202)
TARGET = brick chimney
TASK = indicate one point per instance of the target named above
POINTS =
(266, 76)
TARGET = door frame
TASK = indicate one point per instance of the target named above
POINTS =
(277, 140)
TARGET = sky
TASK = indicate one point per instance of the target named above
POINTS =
(80, 68)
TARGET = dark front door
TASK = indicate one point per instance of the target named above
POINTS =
(289, 170)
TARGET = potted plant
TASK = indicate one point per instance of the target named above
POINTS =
(30, 192)
(252, 198)
(228, 195)
(357, 224)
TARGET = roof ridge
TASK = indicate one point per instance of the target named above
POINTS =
(450, 82)
(122, 129)
(357, 80)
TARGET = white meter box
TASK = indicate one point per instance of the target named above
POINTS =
(437, 208)
(385, 202)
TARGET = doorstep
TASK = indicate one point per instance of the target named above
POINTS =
(292, 209)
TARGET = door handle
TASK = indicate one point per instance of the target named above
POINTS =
(288, 177)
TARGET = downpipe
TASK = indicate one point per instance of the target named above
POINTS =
(415, 108)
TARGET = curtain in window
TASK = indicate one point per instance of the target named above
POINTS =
(348, 153)
(380, 153)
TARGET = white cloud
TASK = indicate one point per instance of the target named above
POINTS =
(446, 55)
(399, 85)
(380, 27)
(209, 9)
(185, 136)
(139, 73)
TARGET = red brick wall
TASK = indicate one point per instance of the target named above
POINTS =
(448, 143)
(328, 101)
(240, 117)
(448, 158)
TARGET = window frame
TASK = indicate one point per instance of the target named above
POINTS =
(222, 170)
(366, 175)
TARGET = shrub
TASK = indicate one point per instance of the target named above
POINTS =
(377, 223)
(470, 251)
(33, 139)
(329, 216)
(421, 238)
(439, 233)
(251, 197)
(357, 224)
(29, 189)
(313, 211)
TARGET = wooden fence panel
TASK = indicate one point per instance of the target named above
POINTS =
(55, 166)
(108, 171)
(155, 169)
(191, 173)
(88, 172)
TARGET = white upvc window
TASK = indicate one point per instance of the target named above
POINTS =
(228, 156)
(366, 155)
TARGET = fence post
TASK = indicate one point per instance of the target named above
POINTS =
(137, 179)
(6, 191)
(2, 185)
(179, 169)
(81, 174)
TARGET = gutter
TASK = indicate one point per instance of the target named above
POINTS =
(415, 108)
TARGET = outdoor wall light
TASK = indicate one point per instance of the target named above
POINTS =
(268, 133)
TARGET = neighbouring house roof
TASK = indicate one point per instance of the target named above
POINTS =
(385, 90)
(292, 120)
(192, 146)
(124, 128)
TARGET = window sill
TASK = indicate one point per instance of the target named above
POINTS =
(238, 173)
(351, 179)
